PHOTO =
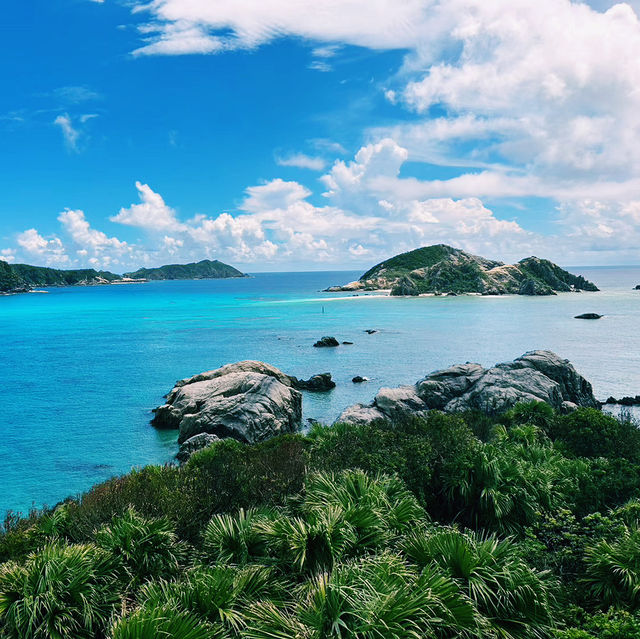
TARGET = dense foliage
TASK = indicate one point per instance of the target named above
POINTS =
(206, 269)
(524, 526)
(17, 277)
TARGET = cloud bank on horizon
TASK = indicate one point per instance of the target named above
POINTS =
(519, 101)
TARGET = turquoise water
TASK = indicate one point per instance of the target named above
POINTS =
(83, 367)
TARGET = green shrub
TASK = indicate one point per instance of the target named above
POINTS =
(61, 592)
(513, 599)
(147, 548)
(588, 432)
(612, 574)
(157, 623)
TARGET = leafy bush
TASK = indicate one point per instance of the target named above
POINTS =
(147, 547)
(588, 432)
(60, 592)
(613, 569)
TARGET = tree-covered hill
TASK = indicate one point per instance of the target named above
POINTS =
(444, 269)
(206, 269)
(22, 277)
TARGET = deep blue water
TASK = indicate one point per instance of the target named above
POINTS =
(83, 367)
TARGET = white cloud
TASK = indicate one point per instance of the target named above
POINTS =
(547, 87)
(76, 94)
(101, 249)
(71, 135)
(228, 24)
(51, 251)
(8, 255)
(302, 161)
(152, 213)
(276, 194)
(73, 132)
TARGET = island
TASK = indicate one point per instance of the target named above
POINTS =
(442, 269)
(204, 270)
(22, 278)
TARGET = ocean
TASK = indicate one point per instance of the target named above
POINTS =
(82, 367)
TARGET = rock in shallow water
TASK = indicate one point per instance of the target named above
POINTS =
(536, 376)
(249, 401)
(327, 342)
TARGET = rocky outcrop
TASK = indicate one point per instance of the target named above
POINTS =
(194, 444)
(442, 269)
(624, 401)
(536, 376)
(317, 383)
(249, 401)
(327, 342)
(588, 316)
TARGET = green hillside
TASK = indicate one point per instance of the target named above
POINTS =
(206, 269)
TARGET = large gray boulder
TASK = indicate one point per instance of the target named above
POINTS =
(249, 401)
(536, 376)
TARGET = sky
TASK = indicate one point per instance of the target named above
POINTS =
(281, 135)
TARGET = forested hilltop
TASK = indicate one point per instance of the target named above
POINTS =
(444, 269)
(206, 269)
(23, 277)
(520, 526)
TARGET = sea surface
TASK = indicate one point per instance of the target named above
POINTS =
(81, 368)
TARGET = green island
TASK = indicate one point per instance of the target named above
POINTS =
(21, 278)
(441, 269)
(205, 269)
(523, 525)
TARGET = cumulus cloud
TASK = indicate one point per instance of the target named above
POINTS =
(94, 245)
(50, 251)
(151, 213)
(227, 24)
(8, 255)
(549, 88)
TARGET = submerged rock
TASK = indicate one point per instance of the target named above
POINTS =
(327, 342)
(358, 379)
(249, 401)
(588, 316)
(536, 376)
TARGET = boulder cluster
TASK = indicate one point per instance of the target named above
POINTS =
(536, 376)
(252, 401)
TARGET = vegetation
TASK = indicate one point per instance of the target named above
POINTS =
(525, 526)
(206, 269)
(444, 269)
(19, 277)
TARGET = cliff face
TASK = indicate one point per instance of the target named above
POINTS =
(444, 269)
(19, 278)
(206, 269)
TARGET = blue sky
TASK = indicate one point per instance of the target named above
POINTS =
(286, 134)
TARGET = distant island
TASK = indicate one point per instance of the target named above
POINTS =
(22, 278)
(441, 269)
(204, 270)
